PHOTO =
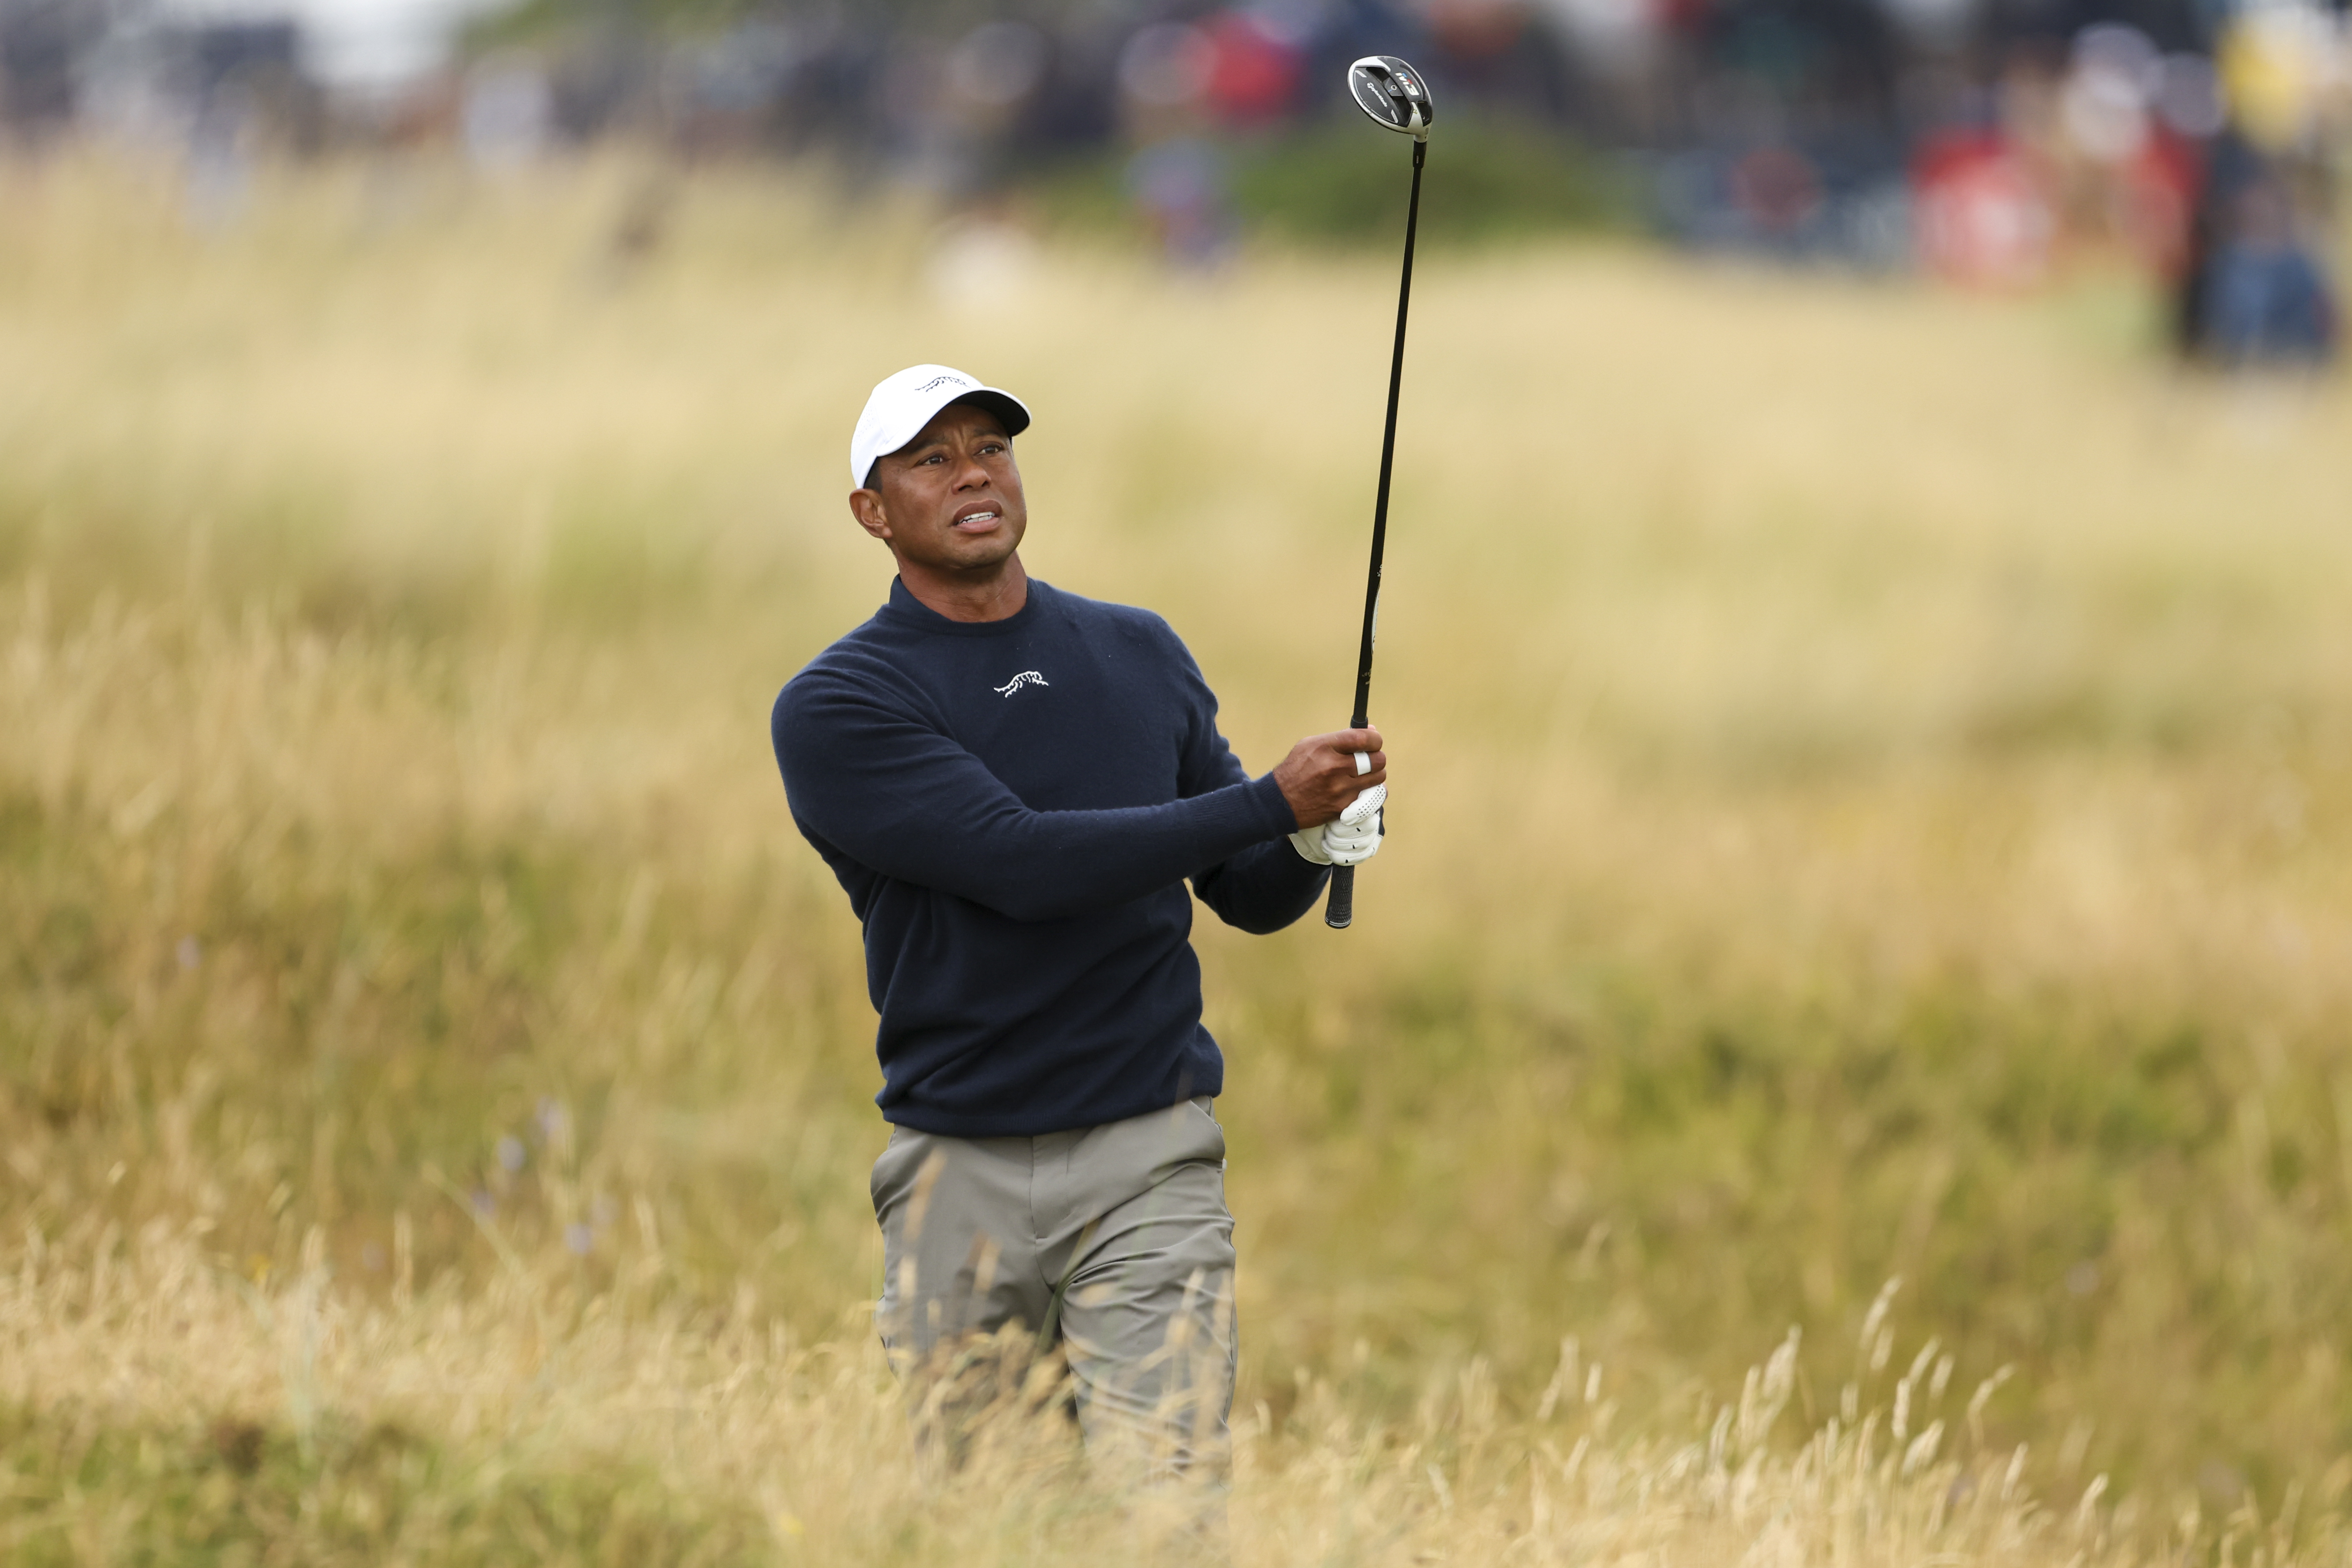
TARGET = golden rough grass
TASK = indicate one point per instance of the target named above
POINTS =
(528, 1372)
(1873, 790)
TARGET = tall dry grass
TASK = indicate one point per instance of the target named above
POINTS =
(1872, 801)
(169, 1411)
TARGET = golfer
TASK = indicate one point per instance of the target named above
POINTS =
(1013, 784)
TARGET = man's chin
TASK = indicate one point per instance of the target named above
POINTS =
(979, 557)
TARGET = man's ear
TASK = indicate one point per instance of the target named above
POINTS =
(867, 506)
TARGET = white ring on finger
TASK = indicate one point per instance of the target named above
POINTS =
(1363, 764)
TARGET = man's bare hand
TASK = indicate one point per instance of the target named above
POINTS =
(1320, 777)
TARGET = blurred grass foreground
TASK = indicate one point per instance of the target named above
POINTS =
(1876, 782)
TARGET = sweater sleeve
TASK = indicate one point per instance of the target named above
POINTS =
(1267, 886)
(1264, 888)
(895, 795)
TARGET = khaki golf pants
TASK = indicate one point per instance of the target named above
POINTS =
(1110, 1244)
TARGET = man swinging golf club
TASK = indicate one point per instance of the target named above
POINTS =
(1013, 784)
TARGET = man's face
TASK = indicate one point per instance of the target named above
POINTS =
(950, 498)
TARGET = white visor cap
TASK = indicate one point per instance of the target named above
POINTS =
(902, 404)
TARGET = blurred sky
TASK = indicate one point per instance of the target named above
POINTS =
(357, 45)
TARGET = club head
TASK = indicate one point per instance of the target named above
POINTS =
(1393, 92)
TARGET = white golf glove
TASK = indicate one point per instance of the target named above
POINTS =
(1353, 839)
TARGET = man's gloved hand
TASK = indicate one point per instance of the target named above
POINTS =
(1353, 838)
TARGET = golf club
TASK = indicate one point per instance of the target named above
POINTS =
(1394, 94)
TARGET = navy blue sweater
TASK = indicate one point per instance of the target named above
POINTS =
(1012, 807)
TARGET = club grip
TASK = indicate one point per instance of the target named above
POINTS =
(1339, 910)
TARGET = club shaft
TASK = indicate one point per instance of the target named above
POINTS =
(1341, 908)
(1362, 712)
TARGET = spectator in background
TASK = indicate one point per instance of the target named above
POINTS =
(2265, 301)
(1178, 186)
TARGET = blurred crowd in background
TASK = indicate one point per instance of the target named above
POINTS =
(1991, 142)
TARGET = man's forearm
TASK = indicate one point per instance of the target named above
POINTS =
(1053, 865)
(1262, 889)
(1034, 865)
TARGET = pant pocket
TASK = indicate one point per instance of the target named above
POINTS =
(1211, 1132)
(895, 1171)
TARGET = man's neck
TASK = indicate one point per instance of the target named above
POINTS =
(996, 597)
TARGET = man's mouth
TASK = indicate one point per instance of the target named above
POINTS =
(977, 519)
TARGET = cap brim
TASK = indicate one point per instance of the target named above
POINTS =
(1003, 405)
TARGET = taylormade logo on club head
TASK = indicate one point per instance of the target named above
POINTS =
(1392, 93)
(1025, 678)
